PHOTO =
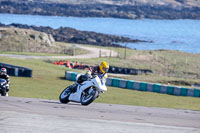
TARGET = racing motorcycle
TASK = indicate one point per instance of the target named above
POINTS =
(86, 91)
(3, 85)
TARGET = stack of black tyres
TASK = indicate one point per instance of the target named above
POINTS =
(131, 71)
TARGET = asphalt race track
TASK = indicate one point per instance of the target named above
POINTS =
(28, 115)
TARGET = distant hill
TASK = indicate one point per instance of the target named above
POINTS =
(131, 9)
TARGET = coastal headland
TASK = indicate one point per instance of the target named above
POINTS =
(129, 9)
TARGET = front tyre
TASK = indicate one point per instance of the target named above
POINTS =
(64, 96)
(88, 96)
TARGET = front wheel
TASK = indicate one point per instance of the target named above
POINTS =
(65, 95)
(89, 96)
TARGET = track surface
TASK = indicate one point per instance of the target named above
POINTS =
(18, 115)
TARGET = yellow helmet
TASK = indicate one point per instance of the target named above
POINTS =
(104, 66)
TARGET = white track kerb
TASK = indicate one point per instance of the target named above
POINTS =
(143, 86)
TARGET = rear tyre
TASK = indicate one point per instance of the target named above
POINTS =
(64, 96)
(89, 96)
(3, 93)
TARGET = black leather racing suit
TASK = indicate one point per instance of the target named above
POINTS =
(6, 77)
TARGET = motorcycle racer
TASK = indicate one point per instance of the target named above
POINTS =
(99, 70)
(4, 75)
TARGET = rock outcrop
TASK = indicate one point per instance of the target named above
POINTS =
(26, 40)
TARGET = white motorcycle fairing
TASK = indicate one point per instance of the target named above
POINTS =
(80, 88)
(99, 84)
(96, 82)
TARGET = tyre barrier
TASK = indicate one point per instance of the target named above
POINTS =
(16, 70)
(142, 86)
(113, 69)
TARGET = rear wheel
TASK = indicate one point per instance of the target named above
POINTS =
(88, 96)
(3, 92)
(64, 96)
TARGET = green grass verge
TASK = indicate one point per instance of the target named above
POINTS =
(169, 67)
(148, 99)
(47, 83)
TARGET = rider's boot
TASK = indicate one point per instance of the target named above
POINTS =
(7, 90)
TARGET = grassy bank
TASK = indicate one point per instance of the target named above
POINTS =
(47, 83)
(71, 49)
(169, 67)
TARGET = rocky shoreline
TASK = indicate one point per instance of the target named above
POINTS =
(129, 9)
(71, 35)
